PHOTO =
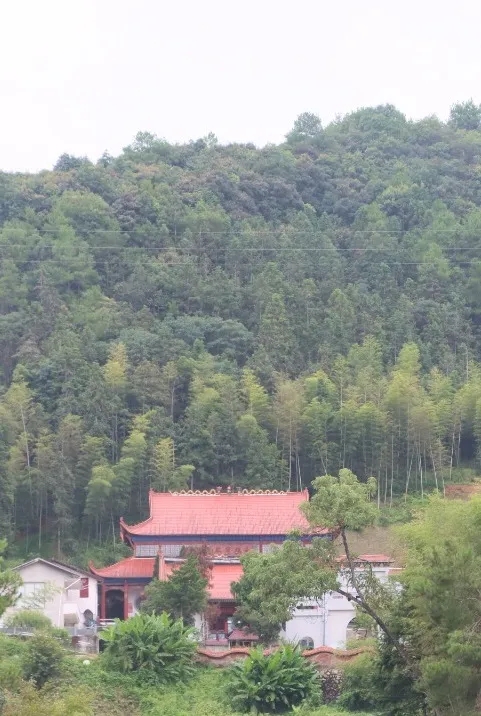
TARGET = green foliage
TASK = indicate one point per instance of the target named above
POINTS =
(11, 674)
(401, 510)
(271, 684)
(182, 595)
(272, 584)
(91, 690)
(31, 702)
(306, 127)
(10, 646)
(156, 649)
(341, 503)
(82, 553)
(438, 612)
(112, 692)
(465, 115)
(43, 658)
(281, 313)
(9, 583)
(360, 689)
(29, 619)
(381, 681)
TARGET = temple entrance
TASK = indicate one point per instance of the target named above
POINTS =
(114, 604)
(218, 616)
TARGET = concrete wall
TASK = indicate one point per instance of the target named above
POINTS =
(324, 622)
(64, 601)
(308, 622)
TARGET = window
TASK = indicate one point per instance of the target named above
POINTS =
(146, 550)
(172, 550)
(33, 592)
(30, 588)
(268, 548)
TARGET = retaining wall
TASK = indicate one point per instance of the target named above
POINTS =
(323, 657)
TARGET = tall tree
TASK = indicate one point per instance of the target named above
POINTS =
(182, 595)
(272, 584)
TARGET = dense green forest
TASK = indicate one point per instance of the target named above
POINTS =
(197, 315)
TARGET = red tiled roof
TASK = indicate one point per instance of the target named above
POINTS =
(375, 558)
(223, 514)
(371, 558)
(220, 578)
(131, 567)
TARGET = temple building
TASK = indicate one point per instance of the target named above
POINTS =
(228, 523)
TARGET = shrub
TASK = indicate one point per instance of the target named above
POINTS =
(43, 659)
(31, 702)
(155, 648)
(61, 635)
(28, 619)
(274, 683)
(11, 646)
(33, 620)
(10, 674)
(360, 684)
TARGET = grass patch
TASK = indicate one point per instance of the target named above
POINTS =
(205, 696)
(89, 690)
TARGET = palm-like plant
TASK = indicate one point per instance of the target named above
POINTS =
(156, 648)
(274, 683)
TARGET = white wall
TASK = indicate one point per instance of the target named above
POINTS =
(134, 593)
(64, 601)
(327, 623)
(340, 612)
(306, 624)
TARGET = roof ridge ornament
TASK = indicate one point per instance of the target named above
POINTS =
(228, 491)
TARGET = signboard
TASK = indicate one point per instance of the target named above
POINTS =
(84, 588)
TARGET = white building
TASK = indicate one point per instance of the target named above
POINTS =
(71, 595)
(326, 622)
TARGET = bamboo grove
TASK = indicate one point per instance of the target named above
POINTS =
(186, 316)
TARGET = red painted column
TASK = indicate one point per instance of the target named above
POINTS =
(102, 600)
(126, 601)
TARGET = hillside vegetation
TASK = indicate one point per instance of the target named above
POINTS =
(195, 315)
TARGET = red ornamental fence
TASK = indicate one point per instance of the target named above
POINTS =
(323, 657)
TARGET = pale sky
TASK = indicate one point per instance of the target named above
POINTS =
(85, 77)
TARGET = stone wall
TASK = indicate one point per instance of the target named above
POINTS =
(323, 657)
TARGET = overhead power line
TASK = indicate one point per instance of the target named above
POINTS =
(228, 249)
(279, 232)
(183, 263)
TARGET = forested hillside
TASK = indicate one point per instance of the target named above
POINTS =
(197, 315)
